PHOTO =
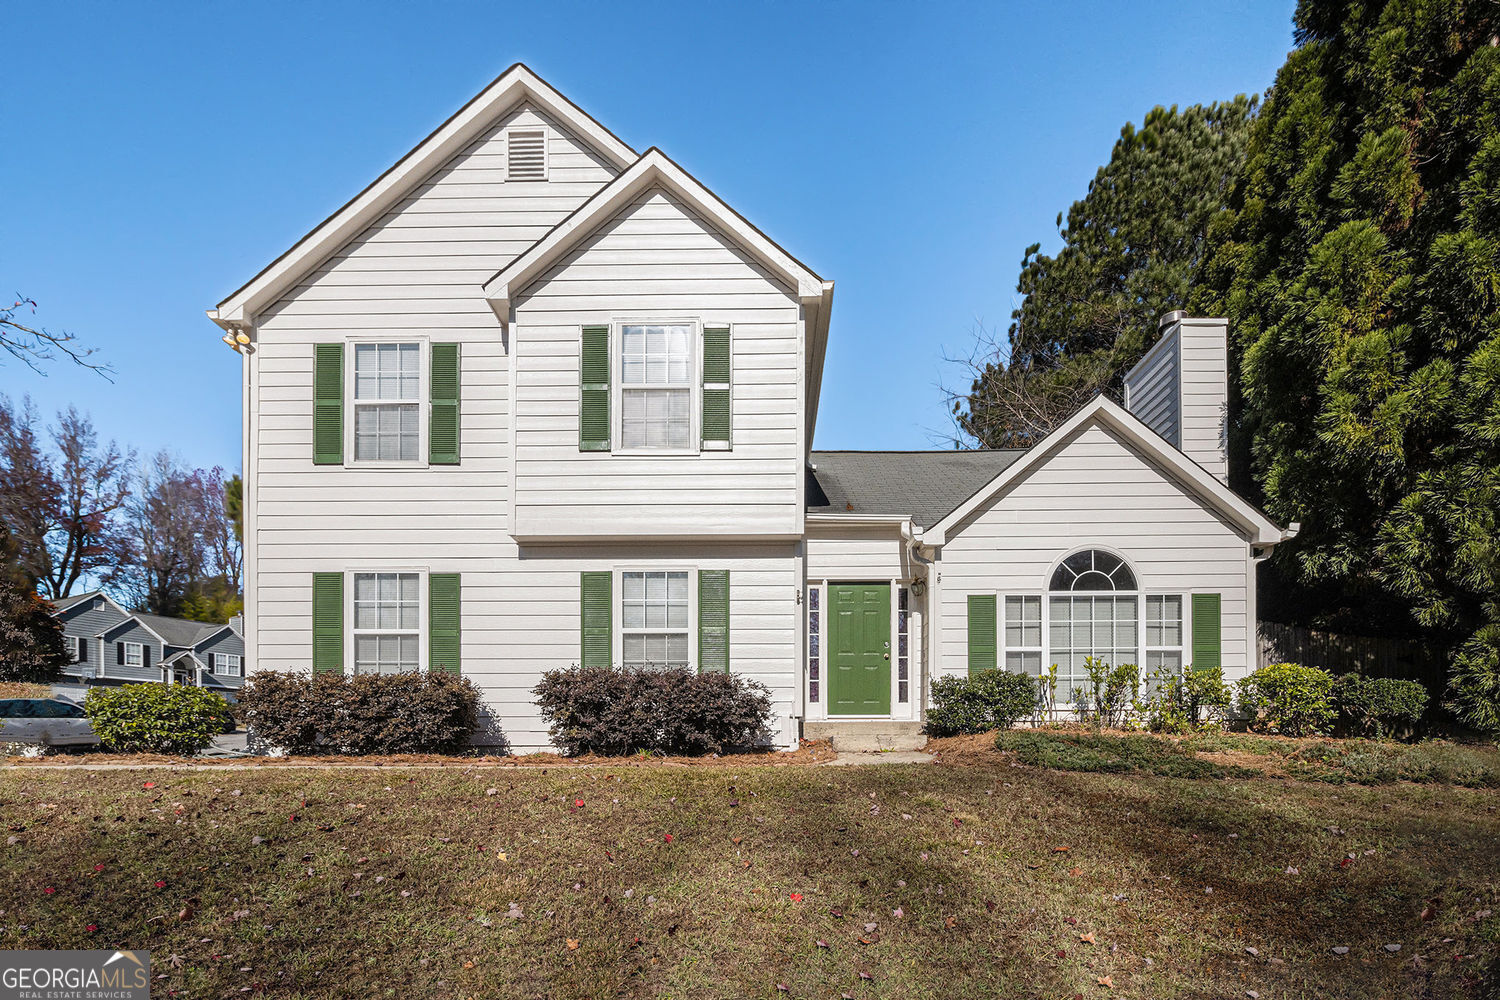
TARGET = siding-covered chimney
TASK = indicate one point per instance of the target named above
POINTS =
(1180, 389)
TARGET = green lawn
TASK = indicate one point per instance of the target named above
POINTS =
(914, 881)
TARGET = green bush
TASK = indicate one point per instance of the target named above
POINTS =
(1381, 707)
(1474, 684)
(991, 699)
(155, 718)
(617, 712)
(1185, 702)
(433, 712)
(1112, 691)
(1288, 698)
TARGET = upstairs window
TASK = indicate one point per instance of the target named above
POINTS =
(387, 402)
(656, 386)
(227, 664)
(526, 155)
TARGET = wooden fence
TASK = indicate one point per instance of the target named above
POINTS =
(1404, 659)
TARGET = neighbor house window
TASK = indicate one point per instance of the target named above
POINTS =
(387, 402)
(654, 619)
(135, 654)
(1093, 612)
(656, 386)
(1023, 635)
(814, 642)
(387, 613)
(70, 643)
(227, 664)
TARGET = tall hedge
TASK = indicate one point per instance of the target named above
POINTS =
(1360, 268)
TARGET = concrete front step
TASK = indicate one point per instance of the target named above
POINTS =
(866, 735)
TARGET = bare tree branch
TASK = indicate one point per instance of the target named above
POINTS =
(37, 345)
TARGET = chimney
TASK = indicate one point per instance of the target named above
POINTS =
(1180, 389)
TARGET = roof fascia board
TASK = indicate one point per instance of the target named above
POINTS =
(512, 87)
(857, 520)
(1105, 411)
(653, 169)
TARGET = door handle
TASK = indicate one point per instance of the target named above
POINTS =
(887, 656)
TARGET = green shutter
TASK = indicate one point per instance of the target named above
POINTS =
(713, 621)
(716, 393)
(593, 390)
(981, 632)
(596, 608)
(442, 428)
(443, 601)
(328, 404)
(1207, 631)
(328, 623)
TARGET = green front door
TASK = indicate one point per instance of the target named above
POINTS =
(859, 680)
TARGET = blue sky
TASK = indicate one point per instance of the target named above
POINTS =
(158, 155)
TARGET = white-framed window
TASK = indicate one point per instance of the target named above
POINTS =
(655, 617)
(70, 643)
(1023, 634)
(227, 664)
(1093, 610)
(389, 390)
(135, 654)
(1164, 633)
(387, 620)
(658, 379)
(526, 154)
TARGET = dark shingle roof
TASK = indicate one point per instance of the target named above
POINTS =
(64, 603)
(177, 631)
(926, 485)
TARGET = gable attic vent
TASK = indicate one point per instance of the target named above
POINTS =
(526, 155)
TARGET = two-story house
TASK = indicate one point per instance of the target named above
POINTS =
(108, 645)
(534, 399)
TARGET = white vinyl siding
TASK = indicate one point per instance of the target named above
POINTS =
(1152, 389)
(1180, 389)
(656, 259)
(387, 623)
(654, 619)
(1095, 490)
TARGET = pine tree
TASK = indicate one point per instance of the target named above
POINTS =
(1360, 269)
(1131, 250)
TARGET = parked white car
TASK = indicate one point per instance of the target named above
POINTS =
(46, 721)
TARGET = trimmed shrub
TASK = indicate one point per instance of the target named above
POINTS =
(433, 712)
(991, 699)
(1111, 692)
(155, 718)
(1180, 703)
(615, 712)
(1288, 698)
(1381, 707)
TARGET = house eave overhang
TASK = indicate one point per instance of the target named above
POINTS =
(894, 522)
(653, 169)
(1259, 530)
(515, 86)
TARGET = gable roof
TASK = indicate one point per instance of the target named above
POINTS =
(62, 604)
(170, 631)
(1107, 413)
(922, 485)
(515, 85)
(654, 169)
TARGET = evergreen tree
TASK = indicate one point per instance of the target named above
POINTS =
(31, 640)
(1131, 251)
(1360, 268)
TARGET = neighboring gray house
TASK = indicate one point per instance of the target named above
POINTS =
(109, 645)
(534, 398)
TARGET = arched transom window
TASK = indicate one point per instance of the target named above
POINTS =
(1093, 610)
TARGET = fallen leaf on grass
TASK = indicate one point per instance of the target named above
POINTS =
(1087, 938)
(1106, 981)
(572, 944)
(1064, 849)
